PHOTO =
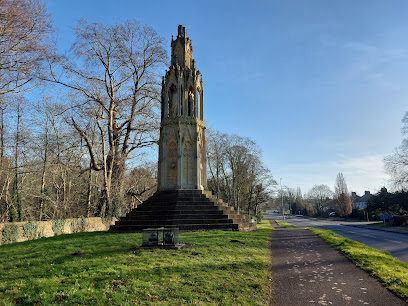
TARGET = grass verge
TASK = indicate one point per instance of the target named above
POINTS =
(285, 224)
(389, 225)
(99, 268)
(390, 271)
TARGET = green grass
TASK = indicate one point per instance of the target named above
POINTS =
(390, 271)
(285, 224)
(212, 271)
(389, 225)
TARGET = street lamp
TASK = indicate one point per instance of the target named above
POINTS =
(283, 209)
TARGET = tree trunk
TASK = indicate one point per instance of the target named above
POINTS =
(89, 195)
(16, 199)
(2, 139)
(42, 189)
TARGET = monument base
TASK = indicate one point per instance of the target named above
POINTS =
(188, 210)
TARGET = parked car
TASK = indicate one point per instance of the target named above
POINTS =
(276, 211)
(332, 214)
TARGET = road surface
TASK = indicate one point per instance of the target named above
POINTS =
(395, 243)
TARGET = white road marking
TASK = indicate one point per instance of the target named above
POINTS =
(371, 236)
(395, 241)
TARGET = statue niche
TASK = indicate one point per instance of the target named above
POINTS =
(191, 107)
(172, 164)
(172, 101)
(188, 164)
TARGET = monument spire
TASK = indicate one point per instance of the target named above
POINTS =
(182, 144)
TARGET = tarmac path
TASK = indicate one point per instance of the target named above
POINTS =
(390, 240)
(308, 271)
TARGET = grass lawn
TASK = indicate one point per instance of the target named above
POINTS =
(390, 271)
(99, 268)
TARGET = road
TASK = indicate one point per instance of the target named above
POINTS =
(395, 243)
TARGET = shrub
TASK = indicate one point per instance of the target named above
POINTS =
(401, 220)
(30, 230)
(75, 226)
(41, 233)
(78, 225)
(58, 226)
(83, 223)
(9, 233)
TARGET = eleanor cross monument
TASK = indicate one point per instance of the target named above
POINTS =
(182, 145)
(182, 199)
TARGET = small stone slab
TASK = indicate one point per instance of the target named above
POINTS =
(162, 247)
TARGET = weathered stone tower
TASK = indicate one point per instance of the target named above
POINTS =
(182, 147)
(182, 199)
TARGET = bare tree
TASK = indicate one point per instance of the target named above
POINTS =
(140, 184)
(298, 205)
(119, 87)
(215, 158)
(236, 172)
(396, 163)
(343, 201)
(319, 194)
(24, 28)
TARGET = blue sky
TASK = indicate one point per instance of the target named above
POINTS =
(321, 86)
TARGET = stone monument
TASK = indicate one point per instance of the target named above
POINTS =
(182, 154)
(182, 199)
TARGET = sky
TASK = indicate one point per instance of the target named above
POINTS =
(321, 86)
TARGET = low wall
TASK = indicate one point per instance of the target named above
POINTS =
(23, 231)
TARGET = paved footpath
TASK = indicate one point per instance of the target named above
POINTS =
(308, 271)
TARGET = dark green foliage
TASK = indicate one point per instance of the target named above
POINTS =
(58, 226)
(9, 233)
(386, 202)
(30, 230)
(358, 214)
(401, 220)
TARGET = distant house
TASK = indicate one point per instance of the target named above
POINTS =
(360, 202)
(330, 205)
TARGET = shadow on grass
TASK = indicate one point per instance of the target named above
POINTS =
(54, 257)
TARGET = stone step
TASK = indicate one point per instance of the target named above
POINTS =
(188, 216)
(176, 212)
(181, 227)
(178, 207)
(185, 209)
(194, 201)
(161, 208)
(155, 222)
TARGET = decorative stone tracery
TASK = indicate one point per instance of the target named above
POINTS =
(182, 153)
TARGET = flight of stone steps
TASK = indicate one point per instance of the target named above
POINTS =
(188, 210)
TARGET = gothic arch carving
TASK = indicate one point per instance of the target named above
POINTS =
(187, 135)
(187, 164)
(191, 104)
(172, 100)
(182, 138)
(172, 163)
(182, 102)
